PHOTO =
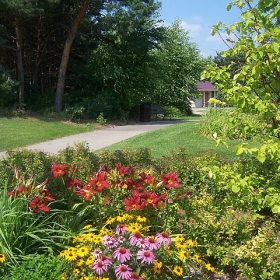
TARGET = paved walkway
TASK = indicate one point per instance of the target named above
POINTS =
(98, 139)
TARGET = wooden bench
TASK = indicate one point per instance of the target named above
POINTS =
(158, 111)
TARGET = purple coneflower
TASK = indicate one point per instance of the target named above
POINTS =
(134, 237)
(152, 242)
(123, 271)
(99, 267)
(109, 241)
(121, 239)
(122, 254)
(96, 253)
(121, 229)
(163, 238)
(146, 256)
(142, 243)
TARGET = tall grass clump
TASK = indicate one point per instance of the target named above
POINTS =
(231, 124)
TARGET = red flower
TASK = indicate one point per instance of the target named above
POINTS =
(125, 170)
(131, 184)
(87, 192)
(151, 199)
(134, 202)
(147, 178)
(99, 182)
(59, 170)
(73, 183)
(171, 180)
(21, 190)
(47, 196)
(37, 204)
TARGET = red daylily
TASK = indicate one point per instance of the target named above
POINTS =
(59, 170)
(21, 190)
(37, 204)
(147, 178)
(151, 199)
(87, 192)
(125, 170)
(99, 182)
(134, 202)
(73, 183)
(47, 196)
(170, 180)
(132, 185)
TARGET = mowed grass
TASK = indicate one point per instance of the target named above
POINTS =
(164, 141)
(17, 132)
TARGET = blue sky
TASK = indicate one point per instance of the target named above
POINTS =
(198, 17)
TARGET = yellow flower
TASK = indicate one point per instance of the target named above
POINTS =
(210, 267)
(104, 231)
(181, 245)
(83, 251)
(192, 243)
(76, 272)
(183, 255)
(80, 262)
(110, 220)
(2, 258)
(157, 269)
(87, 227)
(197, 258)
(90, 260)
(121, 218)
(141, 219)
(97, 239)
(157, 263)
(70, 255)
(180, 238)
(178, 270)
(167, 249)
(133, 227)
(63, 276)
(90, 237)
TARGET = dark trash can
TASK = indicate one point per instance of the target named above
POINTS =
(145, 112)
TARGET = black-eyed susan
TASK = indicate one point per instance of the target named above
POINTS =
(133, 227)
(197, 258)
(70, 255)
(90, 260)
(178, 270)
(180, 238)
(87, 227)
(209, 267)
(181, 245)
(183, 255)
(2, 258)
(192, 243)
(90, 237)
(141, 219)
(76, 272)
(110, 220)
(104, 231)
(83, 251)
(80, 262)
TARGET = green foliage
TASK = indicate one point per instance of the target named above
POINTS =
(100, 119)
(179, 66)
(34, 267)
(231, 124)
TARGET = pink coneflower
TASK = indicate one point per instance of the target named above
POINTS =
(135, 275)
(142, 243)
(121, 239)
(146, 256)
(121, 229)
(122, 254)
(107, 261)
(123, 271)
(152, 242)
(134, 237)
(97, 253)
(99, 267)
(109, 241)
(163, 238)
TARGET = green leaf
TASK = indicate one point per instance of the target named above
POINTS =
(261, 157)
(235, 188)
(276, 209)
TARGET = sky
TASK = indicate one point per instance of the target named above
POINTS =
(198, 17)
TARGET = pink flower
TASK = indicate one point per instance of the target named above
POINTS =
(142, 243)
(135, 237)
(97, 253)
(122, 254)
(146, 256)
(121, 229)
(152, 242)
(123, 271)
(163, 238)
(109, 241)
(99, 267)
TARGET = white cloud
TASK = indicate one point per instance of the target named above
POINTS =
(193, 28)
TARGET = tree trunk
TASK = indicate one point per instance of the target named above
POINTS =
(19, 35)
(65, 57)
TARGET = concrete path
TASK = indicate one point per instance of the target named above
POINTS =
(98, 139)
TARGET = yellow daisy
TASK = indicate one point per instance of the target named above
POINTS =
(83, 251)
(90, 260)
(70, 256)
(183, 255)
(110, 220)
(197, 258)
(90, 237)
(87, 226)
(2, 258)
(133, 227)
(76, 272)
(80, 262)
(210, 267)
(178, 270)
(104, 231)
(141, 219)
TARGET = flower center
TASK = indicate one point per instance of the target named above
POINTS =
(147, 254)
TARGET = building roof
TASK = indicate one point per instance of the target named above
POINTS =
(206, 86)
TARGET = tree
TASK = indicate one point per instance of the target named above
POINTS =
(256, 86)
(179, 65)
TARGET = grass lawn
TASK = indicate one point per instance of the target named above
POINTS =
(19, 132)
(163, 141)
